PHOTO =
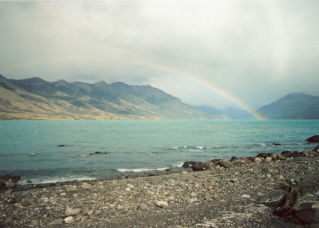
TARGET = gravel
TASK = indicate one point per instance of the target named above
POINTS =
(238, 196)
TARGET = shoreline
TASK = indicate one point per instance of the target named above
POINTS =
(185, 166)
(218, 196)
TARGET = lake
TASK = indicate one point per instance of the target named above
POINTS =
(31, 148)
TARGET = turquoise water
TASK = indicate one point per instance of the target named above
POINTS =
(29, 148)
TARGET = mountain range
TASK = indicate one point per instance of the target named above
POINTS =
(35, 98)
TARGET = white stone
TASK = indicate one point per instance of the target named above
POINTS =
(69, 219)
(70, 211)
(161, 204)
(245, 196)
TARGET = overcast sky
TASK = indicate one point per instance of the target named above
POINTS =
(256, 50)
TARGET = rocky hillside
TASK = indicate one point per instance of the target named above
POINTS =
(293, 106)
(35, 98)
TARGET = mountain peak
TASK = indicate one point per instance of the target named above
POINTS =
(293, 106)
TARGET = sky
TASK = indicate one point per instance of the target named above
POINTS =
(203, 52)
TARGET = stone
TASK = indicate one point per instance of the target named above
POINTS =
(130, 186)
(8, 181)
(225, 164)
(245, 196)
(261, 155)
(286, 153)
(86, 185)
(188, 164)
(69, 219)
(25, 203)
(276, 144)
(316, 149)
(98, 153)
(258, 159)
(268, 159)
(192, 200)
(193, 194)
(161, 204)
(79, 217)
(89, 212)
(313, 139)
(274, 156)
(200, 166)
(233, 159)
(71, 211)
(58, 221)
(44, 199)
(142, 206)
(281, 157)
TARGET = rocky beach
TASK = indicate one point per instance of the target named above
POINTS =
(238, 193)
(242, 192)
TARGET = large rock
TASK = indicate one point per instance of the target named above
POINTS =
(198, 166)
(188, 164)
(225, 164)
(281, 157)
(8, 181)
(313, 139)
(98, 153)
(286, 153)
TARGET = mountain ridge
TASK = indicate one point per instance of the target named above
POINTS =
(35, 98)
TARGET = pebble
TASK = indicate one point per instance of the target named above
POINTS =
(86, 185)
(70, 211)
(69, 219)
(44, 199)
(161, 204)
(245, 196)
(142, 206)
(25, 203)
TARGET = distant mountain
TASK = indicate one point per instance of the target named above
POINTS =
(292, 106)
(229, 113)
(35, 98)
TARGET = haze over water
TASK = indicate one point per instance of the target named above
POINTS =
(30, 148)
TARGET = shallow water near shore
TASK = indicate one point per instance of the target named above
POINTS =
(30, 148)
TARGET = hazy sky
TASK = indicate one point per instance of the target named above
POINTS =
(256, 50)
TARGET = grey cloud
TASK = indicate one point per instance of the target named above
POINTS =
(256, 50)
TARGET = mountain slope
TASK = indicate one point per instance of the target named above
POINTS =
(293, 106)
(35, 98)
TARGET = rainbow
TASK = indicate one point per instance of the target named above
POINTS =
(173, 70)
(202, 83)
